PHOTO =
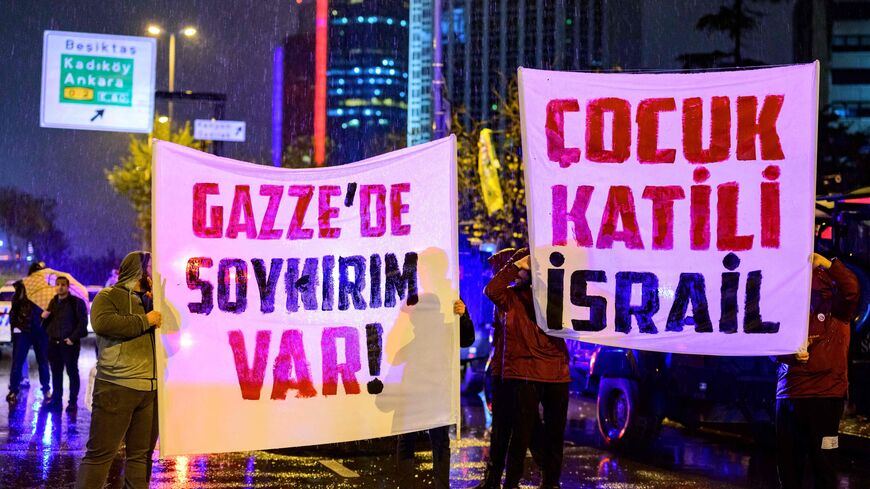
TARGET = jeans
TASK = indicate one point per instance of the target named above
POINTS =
(64, 357)
(440, 438)
(120, 414)
(805, 430)
(36, 338)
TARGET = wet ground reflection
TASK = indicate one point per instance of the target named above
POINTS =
(42, 448)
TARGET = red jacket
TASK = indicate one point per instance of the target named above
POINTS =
(528, 353)
(834, 298)
(497, 359)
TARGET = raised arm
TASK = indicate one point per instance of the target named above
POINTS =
(498, 289)
(848, 291)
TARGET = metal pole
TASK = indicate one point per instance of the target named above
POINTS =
(441, 126)
(171, 75)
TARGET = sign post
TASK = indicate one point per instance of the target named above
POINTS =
(97, 82)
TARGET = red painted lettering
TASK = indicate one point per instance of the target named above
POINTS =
(397, 208)
(720, 129)
(728, 195)
(332, 370)
(291, 357)
(242, 204)
(555, 130)
(561, 216)
(379, 192)
(267, 227)
(250, 378)
(764, 127)
(663, 213)
(327, 212)
(304, 193)
(620, 206)
(595, 130)
(200, 228)
(648, 131)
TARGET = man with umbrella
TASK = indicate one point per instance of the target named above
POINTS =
(24, 315)
(32, 295)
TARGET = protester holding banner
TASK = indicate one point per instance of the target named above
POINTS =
(125, 392)
(535, 369)
(502, 397)
(813, 383)
(440, 436)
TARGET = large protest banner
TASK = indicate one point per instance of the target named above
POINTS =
(304, 307)
(672, 212)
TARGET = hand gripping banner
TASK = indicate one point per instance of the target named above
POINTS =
(672, 212)
(304, 307)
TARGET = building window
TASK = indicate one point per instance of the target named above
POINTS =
(850, 43)
(850, 76)
(851, 109)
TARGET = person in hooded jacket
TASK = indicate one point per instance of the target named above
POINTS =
(812, 384)
(535, 371)
(125, 390)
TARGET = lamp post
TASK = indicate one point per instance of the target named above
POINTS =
(189, 32)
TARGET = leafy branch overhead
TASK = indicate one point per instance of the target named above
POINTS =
(506, 227)
(132, 178)
(735, 21)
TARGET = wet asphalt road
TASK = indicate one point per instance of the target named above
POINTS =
(42, 448)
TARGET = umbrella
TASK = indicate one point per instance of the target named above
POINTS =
(40, 287)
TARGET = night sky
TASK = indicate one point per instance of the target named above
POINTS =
(232, 54)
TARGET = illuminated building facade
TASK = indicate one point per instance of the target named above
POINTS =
(367, 77)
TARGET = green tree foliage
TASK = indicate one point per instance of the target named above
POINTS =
(735, 21)
(132, 178)
(842, 150)
(506, 227)
(300, 153)
(29, 219)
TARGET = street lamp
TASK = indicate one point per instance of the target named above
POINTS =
(156, 30)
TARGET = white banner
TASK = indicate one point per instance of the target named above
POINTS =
(304, 307)
(672, 212)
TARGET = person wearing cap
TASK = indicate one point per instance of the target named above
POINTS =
(812, 384)
(125, 391)
(535, 370)
(26, 317)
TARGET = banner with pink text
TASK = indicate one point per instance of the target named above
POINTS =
(306, 306)
(672, 212)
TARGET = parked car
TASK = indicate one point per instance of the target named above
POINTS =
(636, 389)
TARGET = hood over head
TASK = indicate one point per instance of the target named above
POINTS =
(133, 268)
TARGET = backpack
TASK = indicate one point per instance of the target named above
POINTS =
(21, 310)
